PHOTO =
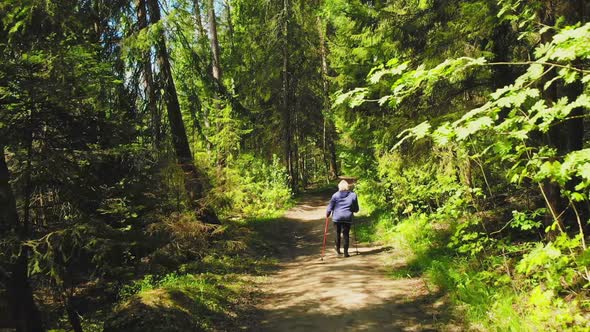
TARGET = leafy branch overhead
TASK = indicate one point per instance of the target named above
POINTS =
(492, 130)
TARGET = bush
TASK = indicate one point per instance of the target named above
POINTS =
(252, 187)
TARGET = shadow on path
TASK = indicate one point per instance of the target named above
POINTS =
(338, 294)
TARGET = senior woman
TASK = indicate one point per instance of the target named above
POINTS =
(342, 206)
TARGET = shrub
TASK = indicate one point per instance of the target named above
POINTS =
(252, 187)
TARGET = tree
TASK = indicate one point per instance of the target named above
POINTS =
(148, 78)
(25, 313)
(195, 180)
(286, 127)
(329, 131)
(569, 135)
(216, 63)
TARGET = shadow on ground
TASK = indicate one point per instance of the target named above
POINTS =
(395, 315)
(338, 294)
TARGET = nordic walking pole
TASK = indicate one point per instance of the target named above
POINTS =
(356, 245)
(325, 234)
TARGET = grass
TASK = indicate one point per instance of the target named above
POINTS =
(481, 292)
(207, 300)
(214, 292)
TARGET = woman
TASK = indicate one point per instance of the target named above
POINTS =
(342, 206)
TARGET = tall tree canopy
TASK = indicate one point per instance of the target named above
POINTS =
(121, 120)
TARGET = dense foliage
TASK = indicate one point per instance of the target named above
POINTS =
(137, 135)
(479, 156)
(118, 141)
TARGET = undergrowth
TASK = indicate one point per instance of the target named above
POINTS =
(491, 199)
(205, 294)
(493, 284)
(252, 188)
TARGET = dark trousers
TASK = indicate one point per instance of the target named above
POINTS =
(344, 229)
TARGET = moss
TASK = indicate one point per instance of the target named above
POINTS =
(182, 302)
(154, 310)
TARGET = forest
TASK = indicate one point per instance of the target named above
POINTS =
(148, 146)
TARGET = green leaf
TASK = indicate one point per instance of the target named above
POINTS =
(535, 71)
(376, 76)
(354, 97)
(418, 132)
(383, 100)
(568, 75)
(543, 49)
(425, 4)
(550, 82)
(474, 126)
(577, 197)
(443, 134)
(421, 130)
(357, 98)
(520, 134)
(549, 170)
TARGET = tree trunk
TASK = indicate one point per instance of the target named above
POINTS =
(569, 135)
(296, 138)
(148, 80)
(26, 316)
(214, 77)
(216, 70)
(285, 107)
(230, 26)
(8, 213)
(202, 39)
(504, 39)
(554, 202)
(329, 147)
(195, 181)
(73, 316)
(334, 172)
(216, 63)
(197, 12)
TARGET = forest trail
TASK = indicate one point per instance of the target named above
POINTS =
(339, 294)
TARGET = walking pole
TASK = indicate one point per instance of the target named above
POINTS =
(356, 245)
(325, 234)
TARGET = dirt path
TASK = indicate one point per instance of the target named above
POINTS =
(338, 294)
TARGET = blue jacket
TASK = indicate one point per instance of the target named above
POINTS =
(342, 206)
